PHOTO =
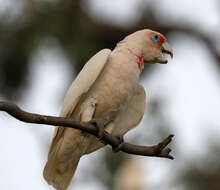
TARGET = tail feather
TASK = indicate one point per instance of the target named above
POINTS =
(61, 165)
(59, 180)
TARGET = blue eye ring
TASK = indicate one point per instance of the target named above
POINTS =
(155, 39)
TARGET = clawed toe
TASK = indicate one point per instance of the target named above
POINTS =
(100, 128)
(119, 147)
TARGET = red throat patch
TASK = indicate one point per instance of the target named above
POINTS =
(140, 59)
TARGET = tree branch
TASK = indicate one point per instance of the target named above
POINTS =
(158, 150)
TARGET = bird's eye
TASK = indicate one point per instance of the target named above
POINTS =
(155, 38)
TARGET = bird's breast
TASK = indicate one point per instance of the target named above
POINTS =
(115, 86)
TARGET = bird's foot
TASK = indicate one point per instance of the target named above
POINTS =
(119, 146)
(99, 126)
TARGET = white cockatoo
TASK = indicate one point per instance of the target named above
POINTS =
(105, 91)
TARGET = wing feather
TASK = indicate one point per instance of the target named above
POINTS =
(80, 86)
(84, 81)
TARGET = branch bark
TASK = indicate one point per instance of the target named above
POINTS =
(158, 150)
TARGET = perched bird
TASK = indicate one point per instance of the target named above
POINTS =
(106, 91)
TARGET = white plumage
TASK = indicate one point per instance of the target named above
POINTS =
(105, 90)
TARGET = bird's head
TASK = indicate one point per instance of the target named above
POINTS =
(153, 46)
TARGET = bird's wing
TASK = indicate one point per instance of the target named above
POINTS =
(127, 119)
(80, 86)
(84, 81)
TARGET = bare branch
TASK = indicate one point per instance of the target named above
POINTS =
(158, 150)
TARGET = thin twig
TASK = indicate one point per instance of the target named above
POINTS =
(158, 150)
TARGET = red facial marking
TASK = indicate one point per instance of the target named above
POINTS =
(161, 41)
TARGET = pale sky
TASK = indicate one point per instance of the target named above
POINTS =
(186, 83)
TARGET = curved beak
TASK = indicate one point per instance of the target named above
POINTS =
(165, 49)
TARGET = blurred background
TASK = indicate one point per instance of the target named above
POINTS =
(45, 43)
